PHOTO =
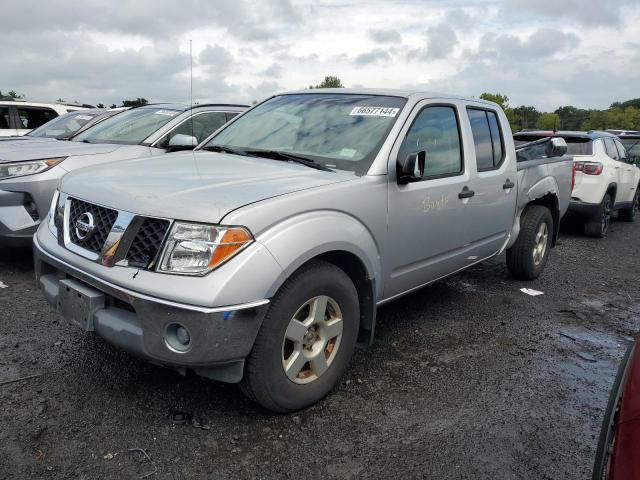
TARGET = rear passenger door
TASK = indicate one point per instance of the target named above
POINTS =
(627, 174)
(619, 167)
(494, 201)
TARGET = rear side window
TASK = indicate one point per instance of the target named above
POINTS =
(575, 145)
(487, 138)
(611, 149)
(624, 156)
(31, 118)
(436, 132)
(4, 118)
(231, 115)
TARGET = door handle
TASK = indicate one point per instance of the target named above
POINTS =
(466, 193)
(508, 184)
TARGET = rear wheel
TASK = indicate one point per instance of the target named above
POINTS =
(528, 256)
(599, 226)
(306, 340)
(629, 214)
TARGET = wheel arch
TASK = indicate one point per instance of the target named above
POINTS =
(550, 201)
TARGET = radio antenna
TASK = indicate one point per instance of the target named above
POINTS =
(191, 85)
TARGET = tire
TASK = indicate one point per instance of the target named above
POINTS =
(527, 258)
(265, 380)
(629, 214)
(599, 226)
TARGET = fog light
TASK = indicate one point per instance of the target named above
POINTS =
(177, 338)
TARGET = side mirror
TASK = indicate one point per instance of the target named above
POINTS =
(635, 159)
(556, 147)
(411, 168)
(182, 142)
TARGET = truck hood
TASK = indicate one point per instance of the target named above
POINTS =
(25, 150)
(195, 186)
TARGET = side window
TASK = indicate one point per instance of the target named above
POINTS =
(204, 124)
(622, 152)
(487, 139)
(436, 132)
(231, 115)
(4, 118)
(31, 118)
(611, 149)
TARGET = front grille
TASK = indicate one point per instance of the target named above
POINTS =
(103, 218)
(147, 242)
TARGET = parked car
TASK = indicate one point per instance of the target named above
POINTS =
(261, 257)
(606, 179)
(63, 127)
(29, 174)
(617, 453)
(19, 117)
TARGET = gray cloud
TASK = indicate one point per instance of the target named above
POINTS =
(385, 35)
(374, 56)
(441, 42)
(216, 58)
(595, 13)
(544, 42)
(458, 18)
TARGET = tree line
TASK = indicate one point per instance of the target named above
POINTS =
(620, 115)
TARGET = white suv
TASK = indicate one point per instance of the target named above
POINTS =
(18, 117)
(607, 179)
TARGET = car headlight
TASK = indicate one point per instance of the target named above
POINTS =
(20, 169)
(52, 213)
(196, 249)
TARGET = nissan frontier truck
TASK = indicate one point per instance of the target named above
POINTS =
(260, 258)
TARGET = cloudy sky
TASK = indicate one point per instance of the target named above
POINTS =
(544, 53)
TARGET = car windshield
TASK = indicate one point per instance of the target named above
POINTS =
(575, 145)
(130, 128)
(63, 126)
(337, 131)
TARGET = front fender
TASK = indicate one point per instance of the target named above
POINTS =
(302, 237)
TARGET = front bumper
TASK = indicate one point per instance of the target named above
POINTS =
(583, 209)
(17, 225)
(221, 337)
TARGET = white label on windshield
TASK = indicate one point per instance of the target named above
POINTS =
(170, 113)
(375, 111)
(83, 117)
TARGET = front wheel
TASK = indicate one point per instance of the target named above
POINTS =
(629, 214)
(306, 340)
(528, 256)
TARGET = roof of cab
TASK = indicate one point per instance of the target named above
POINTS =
(592, 134)
(389, 92)
(183, 107)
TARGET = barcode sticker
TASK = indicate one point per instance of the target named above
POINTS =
(374, 111)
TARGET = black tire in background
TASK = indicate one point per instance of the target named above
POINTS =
(520, 257)
(629, 214)
(607, 431)
(265, 380)
(599, 226)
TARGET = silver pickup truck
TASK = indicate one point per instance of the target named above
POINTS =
(261, 257)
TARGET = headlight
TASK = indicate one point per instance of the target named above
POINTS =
(196, 249)
(20, 169)
(52, 213)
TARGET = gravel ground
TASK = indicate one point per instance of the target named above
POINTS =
(468, 378)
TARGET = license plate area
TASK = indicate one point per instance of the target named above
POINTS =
(79, 302)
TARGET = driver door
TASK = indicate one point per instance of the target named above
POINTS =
(427, 222)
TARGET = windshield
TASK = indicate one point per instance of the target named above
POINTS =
(63, 126)
(340, 131)
(130, 128)
(575, 145)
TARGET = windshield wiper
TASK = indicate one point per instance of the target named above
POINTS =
(226, 149)
(288, 157)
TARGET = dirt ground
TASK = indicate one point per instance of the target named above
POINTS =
(469, 378)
